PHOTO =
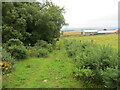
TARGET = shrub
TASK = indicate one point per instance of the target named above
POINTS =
(16, 48)
(7, 62)
(6, 57)
(110, 77)
(31, 51)
(50, 47)
(83, 74)
(53, 42)
(41, 43)
(42, 52)
(37, 51)
(40, 49)
(92, 61)
(12, 42)
(18, 52)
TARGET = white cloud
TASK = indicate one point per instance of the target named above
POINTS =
(90, 13)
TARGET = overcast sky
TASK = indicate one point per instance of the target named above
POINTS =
(90, 13)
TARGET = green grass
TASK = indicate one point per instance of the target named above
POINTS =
(108, 39)
(55, 71)
(52, 72)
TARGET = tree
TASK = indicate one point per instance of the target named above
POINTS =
(32, 21)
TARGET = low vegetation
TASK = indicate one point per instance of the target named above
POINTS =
(73, 63)
(54, 71)
(94, 63)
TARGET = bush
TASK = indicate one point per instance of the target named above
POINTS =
(41, 43)
(18, 52)
(12, 42)
(31, 51)
(50, 47)
(9, 32)
(6, 57)
(110, 77)
(36, 51)
(92, 61)
(40, 49)
(7, 62)
(42, 52)
(16, 48)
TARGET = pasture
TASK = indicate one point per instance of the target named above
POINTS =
(106, 39)
(71, 33)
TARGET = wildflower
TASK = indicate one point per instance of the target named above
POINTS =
(2, 67)
(6, 68)
(5, 65)
(1, 63)
(45, 80)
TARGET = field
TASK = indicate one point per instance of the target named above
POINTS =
(108, 39)
(65, 34)
(55, 71)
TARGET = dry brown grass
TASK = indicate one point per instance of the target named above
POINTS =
(71, 33)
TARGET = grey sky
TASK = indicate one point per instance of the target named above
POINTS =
(90, 13)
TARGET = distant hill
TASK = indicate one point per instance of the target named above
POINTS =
(80, 29)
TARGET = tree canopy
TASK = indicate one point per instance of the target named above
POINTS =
(31, 21)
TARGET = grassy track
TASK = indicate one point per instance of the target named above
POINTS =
(52, 72)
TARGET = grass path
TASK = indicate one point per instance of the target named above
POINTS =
(52, 72)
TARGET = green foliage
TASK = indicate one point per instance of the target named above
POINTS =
(31, 51)
(18, 52)
(35, 51)
(62, 32)
(31, 21)
(42, 52)
(92, 60)
(7, 62)
(110, 77)
(6, 57)
(40, 49)
(50, 47)
(16, 48)
(13, 42)
(41, 43)
(8, 32)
